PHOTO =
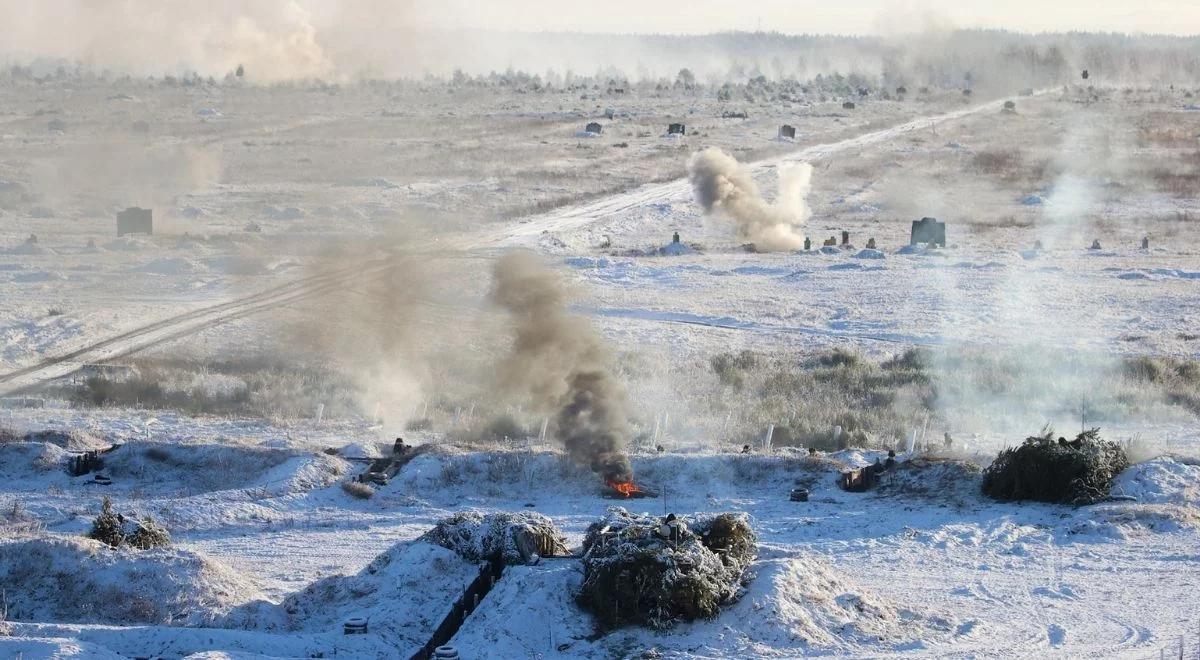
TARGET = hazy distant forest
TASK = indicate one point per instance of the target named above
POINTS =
(986, 61)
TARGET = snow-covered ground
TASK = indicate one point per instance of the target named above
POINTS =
(259, 194)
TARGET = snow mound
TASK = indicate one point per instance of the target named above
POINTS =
(301, 474)
(932, 479)
(69, 439)
(29, 249)
(285, 213)
(439, 473)
(529, 607)
(128, 244)
(675, 250)
(1164, 480)
(46, 647)
(171, 266)
(869, 254)
(238, 264)
(18, 460)
(512, 537)
(403, 593)
(360, 450)
(84, 581)
(1123, 521)
(802, 604)
(795, 607)
(190, 468)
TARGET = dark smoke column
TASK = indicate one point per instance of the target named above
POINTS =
(561, 362)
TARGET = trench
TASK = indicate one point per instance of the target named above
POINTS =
(489, 574)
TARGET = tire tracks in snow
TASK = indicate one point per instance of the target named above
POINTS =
(175, 327)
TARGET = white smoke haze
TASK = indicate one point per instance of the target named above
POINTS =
(280, 40)
(274, 39)
(562, 365)
(111, 173)
(722, 185)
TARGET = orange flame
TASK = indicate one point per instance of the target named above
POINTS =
(626, 488)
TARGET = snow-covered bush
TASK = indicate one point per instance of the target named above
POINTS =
(1046, 470)
(511, 537)
(148, 534)
(114, 530)
(635, 575)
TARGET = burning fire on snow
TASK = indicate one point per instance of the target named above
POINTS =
(625, 488)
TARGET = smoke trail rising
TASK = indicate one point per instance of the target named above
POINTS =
(560, 361)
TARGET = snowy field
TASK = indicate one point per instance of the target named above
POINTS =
(344, 237)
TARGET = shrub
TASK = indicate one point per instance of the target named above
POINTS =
(509, 537)
(107, 528)
(1046, 470)
(633, 575)
(839, 357)
(113, 529)
(358, 489)
(730, 367)
(149, 534)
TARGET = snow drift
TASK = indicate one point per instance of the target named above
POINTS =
(84, 581)
(403, 593)
(796, 606)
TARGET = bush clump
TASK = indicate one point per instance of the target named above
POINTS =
(1079, 471)
(513, 538)
(113, 529)
(633, 574)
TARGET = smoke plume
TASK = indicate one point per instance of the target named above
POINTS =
(560, 362)
(720, 182)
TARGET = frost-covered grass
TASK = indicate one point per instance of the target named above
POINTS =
(878, 401)
(264, 387)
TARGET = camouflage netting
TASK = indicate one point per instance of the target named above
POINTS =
(511, 537)
(632, 575)
(1079, 471)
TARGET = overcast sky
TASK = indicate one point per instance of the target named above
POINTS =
(810, 16)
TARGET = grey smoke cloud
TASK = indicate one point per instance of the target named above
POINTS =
(722, 184)
(562, 364)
